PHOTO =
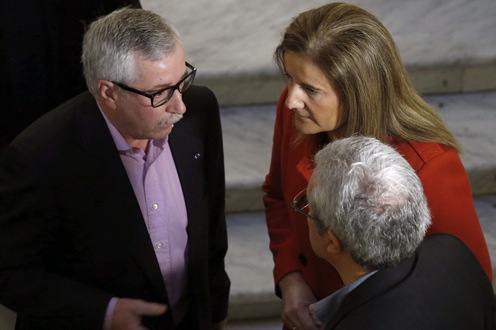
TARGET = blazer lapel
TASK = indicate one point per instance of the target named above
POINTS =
(373, 287)
(187, 151)
(187, 148)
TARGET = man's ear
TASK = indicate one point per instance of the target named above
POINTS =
(334, 245)
(108, 93)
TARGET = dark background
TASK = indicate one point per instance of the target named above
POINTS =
(40, 56)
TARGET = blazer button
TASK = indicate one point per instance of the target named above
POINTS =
(302, 259)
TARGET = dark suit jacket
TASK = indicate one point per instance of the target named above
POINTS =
(71, 231)
(442, 287)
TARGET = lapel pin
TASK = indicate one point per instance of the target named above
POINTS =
(197, 156)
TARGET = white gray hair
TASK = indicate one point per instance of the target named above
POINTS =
(368, 195)
(111, 42)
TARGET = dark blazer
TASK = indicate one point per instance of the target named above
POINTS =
(71, 231)
(442, 287)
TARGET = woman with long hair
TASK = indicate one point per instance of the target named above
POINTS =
(345, 76)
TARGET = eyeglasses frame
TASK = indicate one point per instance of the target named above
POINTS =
(152, 96)
(295, 206)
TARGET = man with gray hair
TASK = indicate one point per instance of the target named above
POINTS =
(112, 205)
(367, 216)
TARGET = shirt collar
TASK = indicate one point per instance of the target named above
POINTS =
(325, 308)
(119, 141)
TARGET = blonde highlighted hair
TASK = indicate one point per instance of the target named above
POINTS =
(360, 59)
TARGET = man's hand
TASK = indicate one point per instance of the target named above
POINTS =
(219, 325)
(296, 297)
(128, 313)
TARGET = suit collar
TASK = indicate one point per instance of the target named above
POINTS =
(186, 148)
(373, 287)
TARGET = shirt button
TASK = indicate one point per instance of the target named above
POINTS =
(159, 245)
(155, 206)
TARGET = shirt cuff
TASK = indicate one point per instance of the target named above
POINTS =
(107, 323)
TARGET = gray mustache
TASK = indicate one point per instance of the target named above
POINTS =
(174, 118)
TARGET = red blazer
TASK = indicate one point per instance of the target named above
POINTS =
(443, 176)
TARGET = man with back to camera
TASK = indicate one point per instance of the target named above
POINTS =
(111, 205)
(367, 216)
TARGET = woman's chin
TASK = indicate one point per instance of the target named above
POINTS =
(306, 130)
(302, 128)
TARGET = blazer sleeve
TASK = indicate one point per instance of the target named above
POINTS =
(28, 219)
(218, 279)
(282, 238)
(447, 188)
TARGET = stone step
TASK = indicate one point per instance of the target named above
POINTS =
(249, 264)
(248, 132)
(447, 46)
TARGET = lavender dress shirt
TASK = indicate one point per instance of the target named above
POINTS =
(158, 191)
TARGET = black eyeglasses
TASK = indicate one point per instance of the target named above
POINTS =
(163, 96)
(300, 202)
